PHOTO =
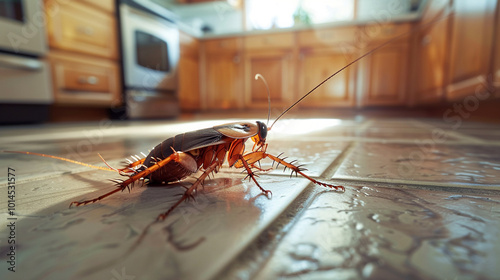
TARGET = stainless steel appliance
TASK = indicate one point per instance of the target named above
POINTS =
(150, 50)
(25, 83)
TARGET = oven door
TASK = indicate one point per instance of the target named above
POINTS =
(22, 27)
(150, 50)
(24, 80)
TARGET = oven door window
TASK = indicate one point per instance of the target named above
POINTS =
(12, 9)
(152, 52)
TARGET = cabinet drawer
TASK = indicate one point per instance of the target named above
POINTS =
(223, 45)
(79, 77)
(377, 32)
(263, 42)
(105, 5)
(327, 37)
(80, 28)
(84, 80)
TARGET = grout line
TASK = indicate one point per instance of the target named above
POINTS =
(337, 162)
(460, 185)
(259, 251)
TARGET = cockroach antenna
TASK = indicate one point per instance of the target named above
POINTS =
(257, 76)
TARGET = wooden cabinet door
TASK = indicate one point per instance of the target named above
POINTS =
(277, 68)
(315, 66)
(224, 87)
(383, 75)
(431, 52)
(471, 46)
(223, 74)
(189, 73)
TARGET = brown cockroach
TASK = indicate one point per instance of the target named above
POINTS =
(206, 149)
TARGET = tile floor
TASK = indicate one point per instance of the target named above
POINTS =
(422, 201)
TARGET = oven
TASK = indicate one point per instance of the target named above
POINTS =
(150, 50)
(25, 83)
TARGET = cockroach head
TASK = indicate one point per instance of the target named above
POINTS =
(260, 137)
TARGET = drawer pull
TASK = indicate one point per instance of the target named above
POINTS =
(90, 80)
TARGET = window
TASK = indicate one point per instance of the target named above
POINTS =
(266, 14)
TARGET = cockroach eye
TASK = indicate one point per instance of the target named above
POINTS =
(262, 130)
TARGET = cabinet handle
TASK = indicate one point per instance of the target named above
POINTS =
(90, 80)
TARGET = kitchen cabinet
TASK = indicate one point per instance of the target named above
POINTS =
(83, 52)
(81, 80)
(222, 74)
(471, 47)
(189, 73)
(81, 28)
(431, 52)
(272, 56)
(322, 53)
(383, 75)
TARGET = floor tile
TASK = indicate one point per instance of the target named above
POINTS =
(464, 165)
(379, 233)
(396, 133)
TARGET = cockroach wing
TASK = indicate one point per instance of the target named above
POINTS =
(195, 140)
(186, 142)
(238, 130)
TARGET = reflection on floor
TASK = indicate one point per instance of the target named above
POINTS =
(422, 201)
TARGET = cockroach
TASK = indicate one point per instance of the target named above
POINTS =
(206, 149)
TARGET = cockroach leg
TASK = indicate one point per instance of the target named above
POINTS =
(76, 203)
(252, 175)
(133, 178)
(260, 168)
(132, 165)
(298, 170)
(189, 193)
